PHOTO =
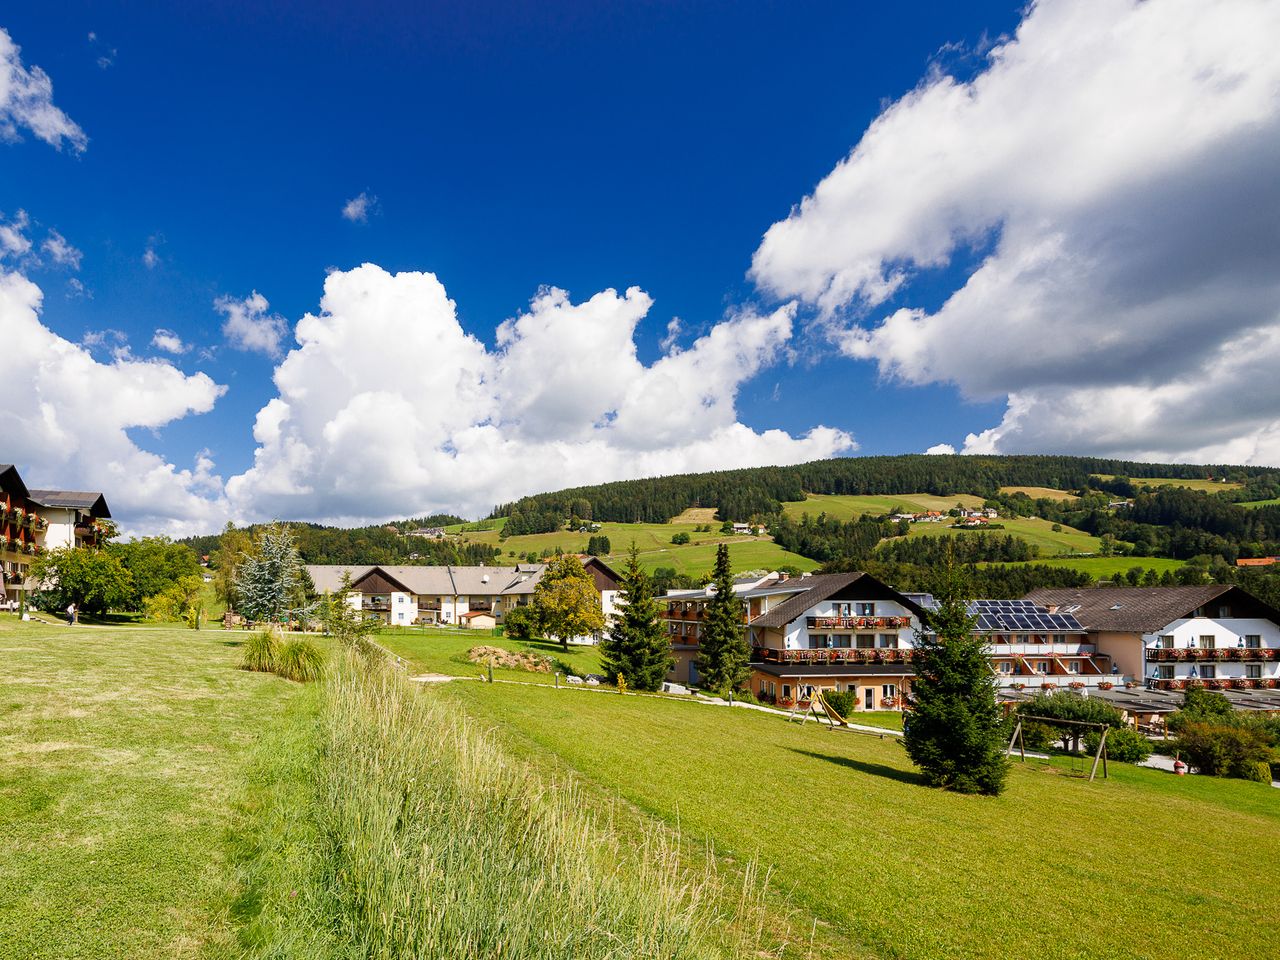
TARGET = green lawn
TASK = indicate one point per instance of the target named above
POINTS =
(123, 756)
(885, 867)
(438, 650)
(1035, 530)
(843, 507)
(1101, 568)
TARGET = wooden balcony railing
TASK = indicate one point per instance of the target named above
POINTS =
(1209, 654)
(1217, 683)
(836, 655)
(858, 623)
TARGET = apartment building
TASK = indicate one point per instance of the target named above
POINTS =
(405, 595)
(34, 520)
(1173, 638)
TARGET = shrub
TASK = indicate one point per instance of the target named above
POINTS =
(521, 623)
(1220, 751)
(1260, 772)
(261, 652)
(1125, 745)
(842, 702)
(299, 660)
(680, 538)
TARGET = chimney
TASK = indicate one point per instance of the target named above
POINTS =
(1052, 607)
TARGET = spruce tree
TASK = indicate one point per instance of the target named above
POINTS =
(270, 581)
(723, 655)
(636, 646)
(954, 732)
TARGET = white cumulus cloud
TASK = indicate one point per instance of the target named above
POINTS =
(358, 208)
(26, 102)
(60, 251)
(388, 407)
(250, 326)
(66, 416)
(169, 342)
(941, 449)
(1115, 166)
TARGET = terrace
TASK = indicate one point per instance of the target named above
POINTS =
(1209, 654)
(857, 623)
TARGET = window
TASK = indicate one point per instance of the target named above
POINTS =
(1165, 672)
(888, 640)
(889, 691)
(842, 640)
(1253, 671)
(1022, 638)
(1224, 612)
(1167, 641)
(1208, 641)
(1059, 638)
(841, 609)
(1252, 641)
(771, 688)
(866, 641)
(786, 691)
(1006, 666)
(1042, 666)
(1073, 666)
(818, 641)
(1208, 671)
(866, 609)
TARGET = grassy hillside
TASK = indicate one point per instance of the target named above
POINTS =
(852, 507)
(745, 553)
(1041, 493)
(1034, 530)
(123, 755)
(1104, 568)
(886, 867)
(440, 650)
(1206, 486)
(1260, 503)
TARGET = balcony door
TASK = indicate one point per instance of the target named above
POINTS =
(869, 698)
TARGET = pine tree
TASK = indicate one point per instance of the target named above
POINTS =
(953, 732)
(723, 655)
(636, 646)
(269, 581)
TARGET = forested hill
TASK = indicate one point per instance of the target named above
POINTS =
(759, 491)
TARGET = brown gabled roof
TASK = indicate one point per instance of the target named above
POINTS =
(89, 501)
(823, 586)
(1139, 609)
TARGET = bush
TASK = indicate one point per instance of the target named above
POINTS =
(842, 702)
(1219, 751)
(680, 538)
(299, 660)
(261, 652)
(1038, 736)
(521, 623)
(1260, 772)
(1125, 745)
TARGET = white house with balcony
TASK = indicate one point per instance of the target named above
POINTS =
(1175, 638)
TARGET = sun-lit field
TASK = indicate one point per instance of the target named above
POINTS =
(1208, 486)
(440, 650)
(1041, 493)
(123, 756)
(1035, 530)
(1103, 568)
(887, 867)
(1260, 503)
(843, 507)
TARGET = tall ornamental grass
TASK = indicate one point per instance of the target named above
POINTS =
(432, 842)
(261, 652)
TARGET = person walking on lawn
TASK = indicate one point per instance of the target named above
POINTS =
(71, 614)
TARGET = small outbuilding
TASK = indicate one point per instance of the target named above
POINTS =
(478, 620)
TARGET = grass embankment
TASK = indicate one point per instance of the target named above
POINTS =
(122, 755)
(1041, 493)
(1034, 530)
(424, 838)
(1054, 868)
(1253, 504)
(438, 650)
(1104, 568)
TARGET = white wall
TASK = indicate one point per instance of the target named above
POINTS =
(797, 632)
(1227, 633)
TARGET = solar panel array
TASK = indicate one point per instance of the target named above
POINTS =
(1021, 616)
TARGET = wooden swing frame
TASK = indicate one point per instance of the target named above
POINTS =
(1099, 756)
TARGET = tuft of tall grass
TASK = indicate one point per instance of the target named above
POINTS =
(429, 841)
(261, 652)
(299, 660)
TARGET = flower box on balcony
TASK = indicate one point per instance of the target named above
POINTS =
(1076, 685)
(1018, 686)
(1105, 685)
(1048, 686)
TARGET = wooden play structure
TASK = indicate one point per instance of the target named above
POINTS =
(1077, 760)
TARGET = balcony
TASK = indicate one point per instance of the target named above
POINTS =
(1042, 650)
(377, 606)
(835, 655)
(858, 623)
(1209, 654)
(1219, 683)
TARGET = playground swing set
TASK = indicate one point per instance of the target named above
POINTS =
(1077, 759)
(821, 711)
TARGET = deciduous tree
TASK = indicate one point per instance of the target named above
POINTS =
(566, 601)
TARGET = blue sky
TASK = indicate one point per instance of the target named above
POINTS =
(579, 146)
